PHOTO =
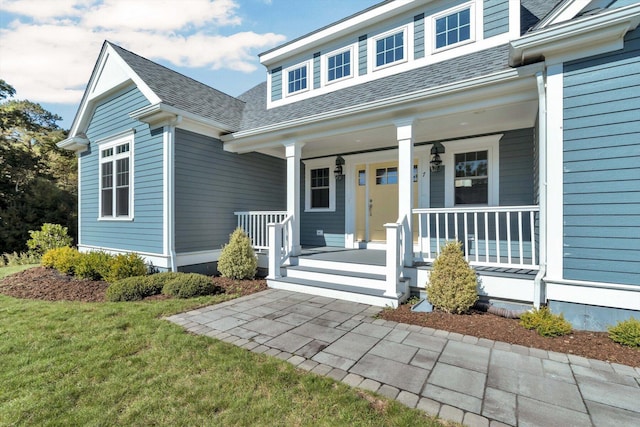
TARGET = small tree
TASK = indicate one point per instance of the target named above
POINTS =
(452, 282)
(238, 260)
(50, 236)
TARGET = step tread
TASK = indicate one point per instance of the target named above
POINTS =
(371, 276)
(343, 288)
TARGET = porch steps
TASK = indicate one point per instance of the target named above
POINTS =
(349, 281)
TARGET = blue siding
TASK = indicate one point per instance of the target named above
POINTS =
(517, 168)
(496, 17)
(211, 184)
(331, 223)
(436, 191)
(601, 182)
(418, 36)
(276, 84)
(362, 55)
(316, 70)
(144, 233)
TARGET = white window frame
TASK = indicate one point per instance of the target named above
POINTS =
(113, 142)
(325, 64)
(285, 78)
(491, 144)
(472, 29)
(319, 164)
(374, 52)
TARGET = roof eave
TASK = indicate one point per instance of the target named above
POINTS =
(160, 114)
(77, 143)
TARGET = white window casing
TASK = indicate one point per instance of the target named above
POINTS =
(373, 51)
(310, 165)
(307, 65)
(325, 64)
(116, 157)
(431, 34)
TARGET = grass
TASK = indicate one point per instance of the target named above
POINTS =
(67, 363)
(5, 271)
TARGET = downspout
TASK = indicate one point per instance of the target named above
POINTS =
(538, 283)
(171, 194)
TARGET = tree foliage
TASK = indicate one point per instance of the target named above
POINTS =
(37, 179)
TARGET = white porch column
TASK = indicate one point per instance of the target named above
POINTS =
(405, 185)
(293, 151)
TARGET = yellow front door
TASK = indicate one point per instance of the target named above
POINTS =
(381, 202)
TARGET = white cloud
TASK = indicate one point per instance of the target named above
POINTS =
(49, 50)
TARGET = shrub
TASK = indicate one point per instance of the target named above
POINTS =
(62, 259)
(22, 258)
(189, 285)
(94, 265)
(50, 236)
(139, 287)
(126, 265)
(452, 282)
(626, 332)
(545, 323)
(238, 260)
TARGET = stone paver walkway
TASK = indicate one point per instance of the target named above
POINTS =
(477, 382)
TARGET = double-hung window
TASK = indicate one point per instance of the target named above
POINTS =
(297, 79)
(339, 66)
(453, 28)
(390, 48)
(471, 178)
(320, 186)
(116, 183)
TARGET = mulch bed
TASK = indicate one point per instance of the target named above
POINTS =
(49, 285)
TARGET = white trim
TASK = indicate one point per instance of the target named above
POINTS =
(285, 78)
(112, 142)
(555, 173)
(372, 52)
(324, 64)
(598, 294)
(158, 260)
(490, 143)
(79, 207)
(472, 27)
(328, 162)
(564, 12)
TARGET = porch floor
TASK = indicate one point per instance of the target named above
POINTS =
(351, 256)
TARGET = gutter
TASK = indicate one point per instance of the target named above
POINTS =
(539, 287)
(171, 203)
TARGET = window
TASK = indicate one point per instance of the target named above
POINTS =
(320, 188)
(472, 178)
(362, 177)
(339, 66)
(297, 79)
(116, 179)
(390, 48)
(386, 176)
(453, 28)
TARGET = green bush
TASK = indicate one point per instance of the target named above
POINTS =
(94, 265)
(238, 260)
(126, 265)
(452, 282)
(22, 258)
(189, 285)
(50, 236)
(626, 332)
(62, 259)
(139, 287)
(545, 323)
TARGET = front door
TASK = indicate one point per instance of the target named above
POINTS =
(377, 199)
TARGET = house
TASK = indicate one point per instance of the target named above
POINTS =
(511, 126)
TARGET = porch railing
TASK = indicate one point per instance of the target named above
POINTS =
(254, 223)
(280, 245)
(492, 236)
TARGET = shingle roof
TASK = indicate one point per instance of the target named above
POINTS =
(183, 92)
(458, 69)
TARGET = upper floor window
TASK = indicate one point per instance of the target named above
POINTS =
(297, 79)
(390, 48)
(339, 66)
(116, 183)
(472, 178)
(453, 28)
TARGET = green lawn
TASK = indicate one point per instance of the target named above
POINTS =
(70, 363)
(5, 271)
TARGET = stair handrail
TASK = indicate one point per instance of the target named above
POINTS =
(280, 245)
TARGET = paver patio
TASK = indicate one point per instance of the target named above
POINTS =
(476, 382)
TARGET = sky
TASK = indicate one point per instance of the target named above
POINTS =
(48, 47)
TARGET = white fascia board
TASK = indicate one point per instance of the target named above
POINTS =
(250, 140)
(381, 13)
(160, 114)
(89, 101)
(569, 39)
(78, 143)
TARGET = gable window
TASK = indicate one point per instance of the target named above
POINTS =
(390, 48)
(339, 66)
(116, 179)
(472, 178)
(320, 186)
(297, 80)
(453, 28)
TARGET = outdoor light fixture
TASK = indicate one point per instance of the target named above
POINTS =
(338, 170)
(436, 161)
